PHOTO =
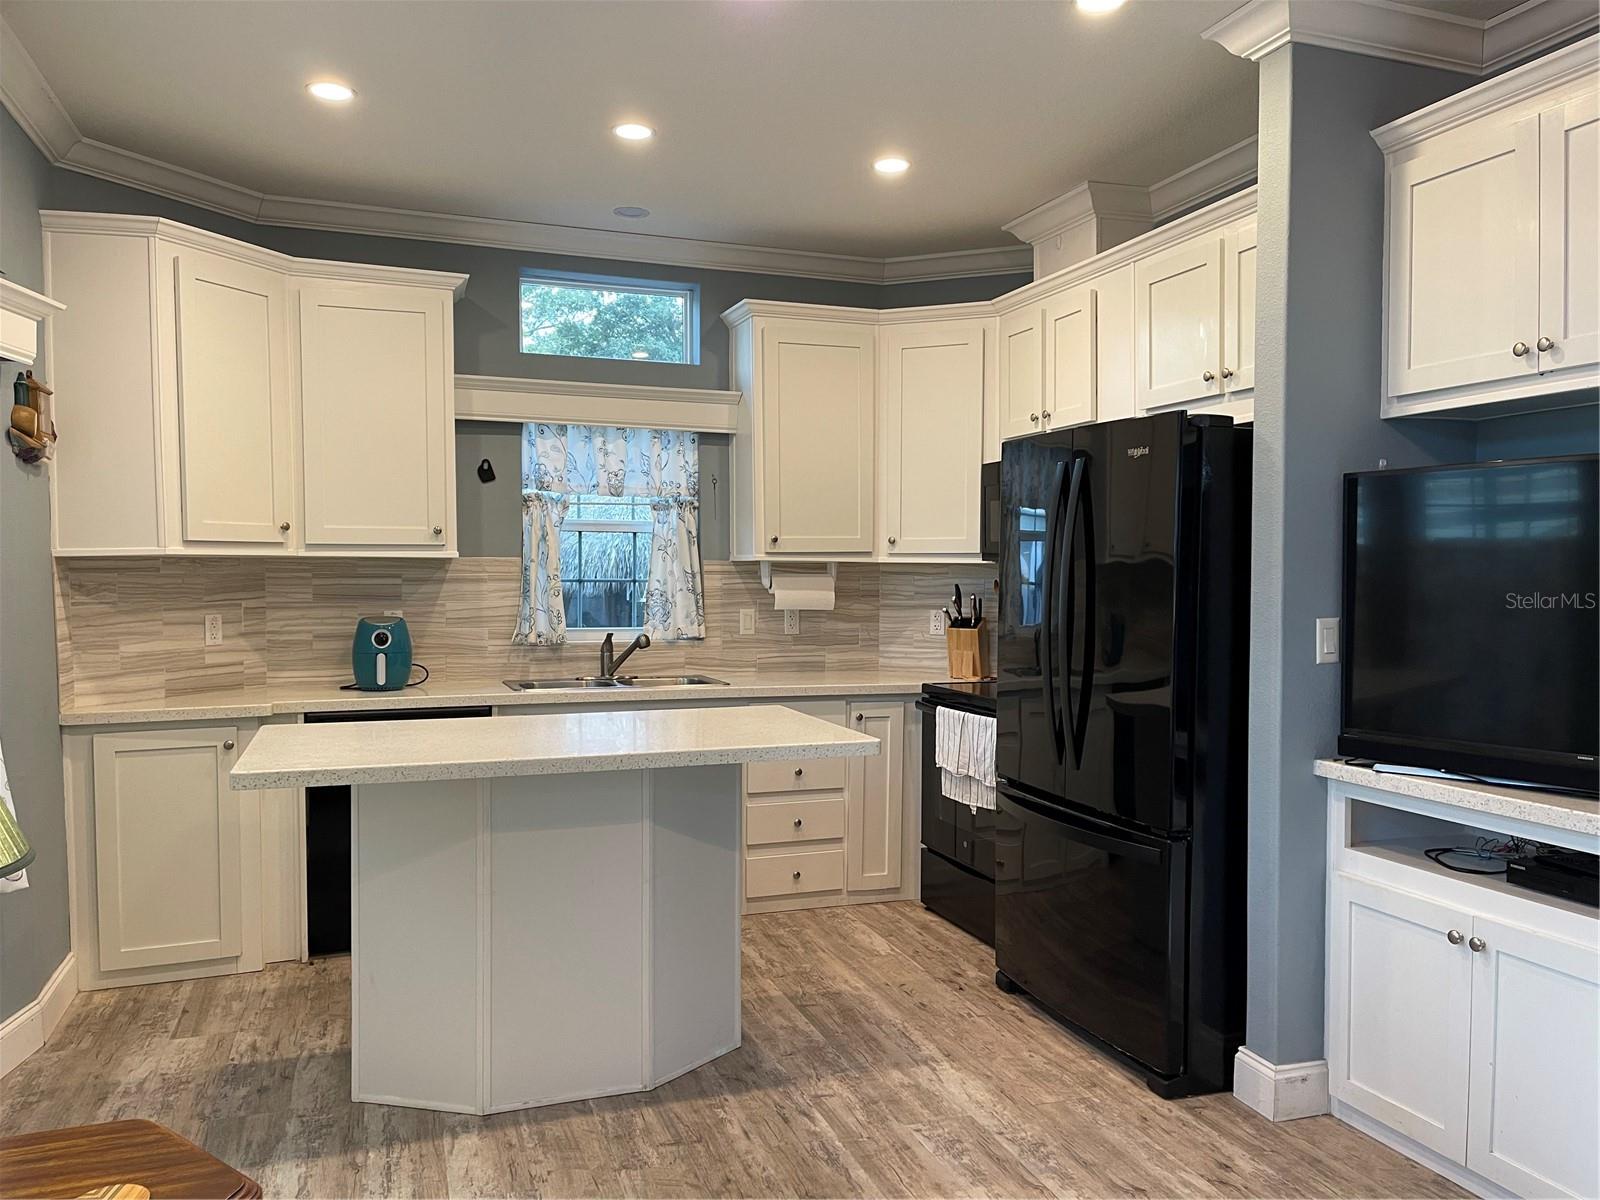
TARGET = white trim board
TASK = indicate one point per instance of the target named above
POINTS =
(32, 1025)
(1390, 29)
(506, 398)
(27, 95)
(1280, 1091)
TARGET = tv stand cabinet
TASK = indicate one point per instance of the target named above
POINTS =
(1463, 1012)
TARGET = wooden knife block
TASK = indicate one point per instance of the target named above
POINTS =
(969, 651)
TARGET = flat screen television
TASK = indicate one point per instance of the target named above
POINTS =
(1471, 628)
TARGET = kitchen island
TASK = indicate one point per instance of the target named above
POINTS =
(543, 908)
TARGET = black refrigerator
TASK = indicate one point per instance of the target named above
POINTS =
(1121, 701)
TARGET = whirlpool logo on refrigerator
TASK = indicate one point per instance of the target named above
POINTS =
(1138, 451)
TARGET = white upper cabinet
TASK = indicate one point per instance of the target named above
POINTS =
(932, 420)
(818, 418)
(1492, 260)
(1069, 359)
(233, 400)
(1178, 325)
(1021, 352)
(375, 416)
(226, 399)
(1239, 310)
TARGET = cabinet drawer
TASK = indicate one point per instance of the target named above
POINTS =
(794, 821)
(796, 775)
(793, 874)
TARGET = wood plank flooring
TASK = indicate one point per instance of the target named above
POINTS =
(878, 1060)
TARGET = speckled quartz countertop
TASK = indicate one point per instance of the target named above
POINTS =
(1575, 813)
(359, 752)
(303, 698)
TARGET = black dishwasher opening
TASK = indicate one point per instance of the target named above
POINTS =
(328, 837)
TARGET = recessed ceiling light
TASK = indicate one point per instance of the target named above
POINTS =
(633, 132)
(330, 92)
(891, 166)
(631, 211)
(641, 354)
(1098, 6)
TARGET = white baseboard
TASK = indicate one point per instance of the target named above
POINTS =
(30, 1027)
(1417, 1152)
(1280, 1092)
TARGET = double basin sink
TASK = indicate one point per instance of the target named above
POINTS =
(614, 681)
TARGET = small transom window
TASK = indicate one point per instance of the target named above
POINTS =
(587, 317)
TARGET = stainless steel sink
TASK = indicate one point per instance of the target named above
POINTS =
(623, 681)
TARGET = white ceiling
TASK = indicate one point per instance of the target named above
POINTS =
(769, 112)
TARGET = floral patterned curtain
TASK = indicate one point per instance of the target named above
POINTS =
(559, 461)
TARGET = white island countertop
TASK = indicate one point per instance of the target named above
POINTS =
(357, 752)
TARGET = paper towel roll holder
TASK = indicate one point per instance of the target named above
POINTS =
(766, 573)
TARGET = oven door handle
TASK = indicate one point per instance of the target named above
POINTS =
(1132, 846)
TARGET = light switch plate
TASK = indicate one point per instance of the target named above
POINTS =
(1327, 639)
(791, 621)
(747, 622)
(213, 629)
(936, 622)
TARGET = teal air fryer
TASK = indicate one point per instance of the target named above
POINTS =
(381, 655)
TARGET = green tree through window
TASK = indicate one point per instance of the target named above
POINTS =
(601, 319)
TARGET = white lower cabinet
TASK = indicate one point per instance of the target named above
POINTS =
(819, 832)
(1475, 1037)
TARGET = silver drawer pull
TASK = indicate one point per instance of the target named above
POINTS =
(797, 822)
(228, 745)
(799, 771)
(797, 874)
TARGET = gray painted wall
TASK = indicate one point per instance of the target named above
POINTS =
(1318, 383)
(486, 317)
(1540, 435)
(34, 934)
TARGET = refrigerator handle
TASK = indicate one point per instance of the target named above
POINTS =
(1046, 612)
(1080, 727)
(1068, 613)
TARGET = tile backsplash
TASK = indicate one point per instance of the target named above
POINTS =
(131, 630)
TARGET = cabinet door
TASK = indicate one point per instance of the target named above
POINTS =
(817, 382)
(1069, 359)
(873, 802)
(1239, 309)
(1463, 261)
(233, 400)
(1569, 234)
(1021, 371)
(1178, 325)
(1535, 1050)
(166, 848)
(1399, 996)
(375, 415)
(932, 432)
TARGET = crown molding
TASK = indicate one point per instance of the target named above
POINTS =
(1225, 171)
(1577, 63)
(793, 310)
(28, 97)
(133, 225)
(1397, 31)
(1090, 200)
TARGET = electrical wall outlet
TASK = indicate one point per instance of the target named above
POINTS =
(747, 622)
(1327, 640)
(213, 629)
(791, 621)
(936, 622)
(394, 612)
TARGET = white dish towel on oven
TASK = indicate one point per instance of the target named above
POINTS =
(963, 752)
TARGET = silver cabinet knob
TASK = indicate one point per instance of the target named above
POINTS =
(1044, 414)
(773, 539)
(1478, 945)
(799, 771)
(1519, 349)
(283, 528)
(797, 874)
(437, 530)
(1544, 344)
(1034, 417)
(1455, 937)
(1209, 376)
(861, 716)
(228, 745)
(798, 822)
(891, 540)
(1227, 372)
